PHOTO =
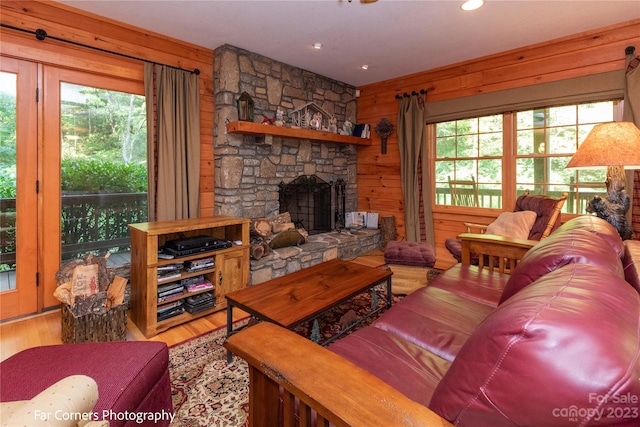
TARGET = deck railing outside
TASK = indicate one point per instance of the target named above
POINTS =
(90, 222)
(576, 202)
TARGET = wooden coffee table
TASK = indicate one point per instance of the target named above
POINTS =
(299, 297)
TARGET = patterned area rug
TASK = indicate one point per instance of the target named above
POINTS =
(207, 391)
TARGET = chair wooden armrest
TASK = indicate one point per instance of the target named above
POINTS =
(337, 390)
(481, 227)
(494, 252)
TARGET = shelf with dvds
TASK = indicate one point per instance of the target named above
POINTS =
(170, 290)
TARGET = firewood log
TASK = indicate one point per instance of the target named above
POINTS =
(256, 251)
(277, 228)
(261, 227)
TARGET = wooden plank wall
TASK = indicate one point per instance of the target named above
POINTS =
(582, 54)
(72, 24)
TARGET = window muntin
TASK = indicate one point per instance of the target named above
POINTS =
(466, 150)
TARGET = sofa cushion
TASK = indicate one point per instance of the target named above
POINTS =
(403, 365)
(434, 319)
(596, 226)
(515, 225)
(570, 340)
(126, 373)
(472, 282)
(562, 248)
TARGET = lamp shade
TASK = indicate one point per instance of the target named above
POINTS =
(609, 144)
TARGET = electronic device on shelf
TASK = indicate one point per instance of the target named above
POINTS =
(194, 245)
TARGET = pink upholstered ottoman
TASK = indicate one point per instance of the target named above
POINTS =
(132, 376)
(409, 253)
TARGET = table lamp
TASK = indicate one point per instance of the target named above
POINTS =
(613, 146)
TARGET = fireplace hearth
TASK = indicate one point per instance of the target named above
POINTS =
(313, 204)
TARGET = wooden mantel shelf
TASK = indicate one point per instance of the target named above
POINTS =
(267, 132)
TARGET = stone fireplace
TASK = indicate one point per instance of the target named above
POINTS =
(250, 175)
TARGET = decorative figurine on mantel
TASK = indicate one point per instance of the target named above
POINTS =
(316, 122)
(310, 116)
(333, 124)
(279, 117)
(347, 128)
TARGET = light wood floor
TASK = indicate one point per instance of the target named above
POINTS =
(45, 328)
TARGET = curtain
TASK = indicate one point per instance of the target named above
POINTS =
(632, 114)
(173, 142)
(412, 145)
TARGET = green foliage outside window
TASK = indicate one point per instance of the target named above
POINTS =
(100, 176)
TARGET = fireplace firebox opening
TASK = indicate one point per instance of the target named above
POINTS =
(308, 199)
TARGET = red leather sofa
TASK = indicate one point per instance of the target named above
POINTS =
(132, 378)
(555, 343)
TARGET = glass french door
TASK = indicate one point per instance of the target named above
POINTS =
(94, 144)
(18, 188)
(50, 130)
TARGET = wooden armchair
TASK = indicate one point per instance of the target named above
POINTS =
(548, 214)
(496, 253)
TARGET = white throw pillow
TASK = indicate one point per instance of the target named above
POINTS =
(516, 225)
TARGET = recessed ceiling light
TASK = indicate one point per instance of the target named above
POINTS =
(472, 4)
(365, 67)
(317, 45)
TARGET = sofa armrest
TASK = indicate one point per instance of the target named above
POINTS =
(494, 252)
(315, 380)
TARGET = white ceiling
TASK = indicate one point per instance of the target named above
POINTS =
(394, 37)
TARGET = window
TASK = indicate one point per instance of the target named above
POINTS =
(543, 141)
(469, 162)
(546, 140)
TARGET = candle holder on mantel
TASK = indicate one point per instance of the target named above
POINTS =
(245, 107)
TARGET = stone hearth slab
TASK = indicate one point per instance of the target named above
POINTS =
(318, 248)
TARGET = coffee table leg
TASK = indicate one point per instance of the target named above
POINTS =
(229, 328)
(389, 296)
(315, 332)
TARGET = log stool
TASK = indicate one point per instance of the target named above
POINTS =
(409, 253)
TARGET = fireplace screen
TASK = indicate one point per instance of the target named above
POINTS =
(308, 201)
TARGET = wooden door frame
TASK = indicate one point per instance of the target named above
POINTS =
(26, 298)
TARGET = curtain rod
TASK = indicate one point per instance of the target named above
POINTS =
(42, 34)
(413, 93)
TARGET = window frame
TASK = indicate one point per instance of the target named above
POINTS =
(509, 165)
